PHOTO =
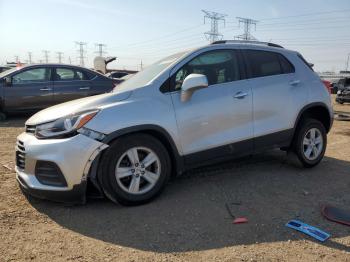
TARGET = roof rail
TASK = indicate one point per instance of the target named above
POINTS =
(246, 42)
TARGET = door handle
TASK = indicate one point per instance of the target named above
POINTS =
(240, 95)
(84, 88)
(294, 82)
(45, 89)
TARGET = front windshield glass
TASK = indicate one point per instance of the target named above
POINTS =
(5, 73)
(143, 77)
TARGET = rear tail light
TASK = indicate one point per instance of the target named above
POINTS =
(328, 85)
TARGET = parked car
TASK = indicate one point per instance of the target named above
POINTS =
(228, 99)
(118, 77)
(116, 74)
(343, 96)
(35, 87)
(4, 68)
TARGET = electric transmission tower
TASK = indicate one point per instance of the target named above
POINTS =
(100, 50)
(81, 52)
(213, 35)
(29, 57)
(248, 23)
(46, 55)
(59, 57)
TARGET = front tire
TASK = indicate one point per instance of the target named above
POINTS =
(310, 142)
(135, 169)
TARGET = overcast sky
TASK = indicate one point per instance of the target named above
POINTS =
(136, 31)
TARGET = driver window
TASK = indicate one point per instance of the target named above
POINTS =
(219, 66)
(32, 75)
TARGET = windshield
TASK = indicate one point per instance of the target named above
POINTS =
(143, 77)
(5, 73)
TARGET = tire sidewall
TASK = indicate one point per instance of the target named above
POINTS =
(116, 150)
(307, 125)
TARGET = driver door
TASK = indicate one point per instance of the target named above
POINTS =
(217, 121)
(30, 89)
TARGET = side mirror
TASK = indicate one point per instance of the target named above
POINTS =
(8, 81)
(192, 83)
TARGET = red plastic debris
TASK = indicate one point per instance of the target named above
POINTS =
(240, 220)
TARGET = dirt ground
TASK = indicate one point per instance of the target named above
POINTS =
(189, 220)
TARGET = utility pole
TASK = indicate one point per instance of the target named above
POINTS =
(347, 63)
(46, 55)
(100, 50)
(29, 57)
(141, 66)
(213, 35)
(69, 60)
(248, 23)
(59, 57)
(16, 59)
(81, 52)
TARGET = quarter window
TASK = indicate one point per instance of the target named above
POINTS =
(218, 66)
(264, 63)
(32, 75)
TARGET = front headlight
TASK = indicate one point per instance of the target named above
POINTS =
(64, 126)
(339, 92)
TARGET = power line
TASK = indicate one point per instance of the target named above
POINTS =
(213, 35)
(59, 57)
(100, 50)
(248, 23)
(46, 55)
(81, 52)
(306, 14)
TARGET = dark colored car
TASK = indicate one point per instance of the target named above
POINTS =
(343, 96)
(35, 87)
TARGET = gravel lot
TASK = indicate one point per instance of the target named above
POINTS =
(189, 220)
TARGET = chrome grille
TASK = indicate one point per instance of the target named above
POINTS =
(30, 129)
(20, 155)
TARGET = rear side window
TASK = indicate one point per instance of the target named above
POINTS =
(265, 63)
(305, 62)
(69, 74)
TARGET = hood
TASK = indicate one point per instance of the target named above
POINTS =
(75, 106)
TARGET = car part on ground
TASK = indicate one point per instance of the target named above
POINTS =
(336, 215)
(308, 230)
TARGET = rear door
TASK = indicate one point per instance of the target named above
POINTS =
(30, 89)
(70, 83)
(278, 95)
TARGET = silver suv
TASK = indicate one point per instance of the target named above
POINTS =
(211, 104)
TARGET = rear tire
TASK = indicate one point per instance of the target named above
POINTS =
(310, 142)
(135, 169)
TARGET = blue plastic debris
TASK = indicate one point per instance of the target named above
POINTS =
(309, 230)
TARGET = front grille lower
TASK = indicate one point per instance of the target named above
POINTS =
(20, 155)
(48, 173)
(30, 129)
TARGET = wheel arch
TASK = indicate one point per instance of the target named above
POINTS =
(318, 111)
(157, 132)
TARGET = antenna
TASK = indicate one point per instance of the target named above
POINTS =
(213, 35)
